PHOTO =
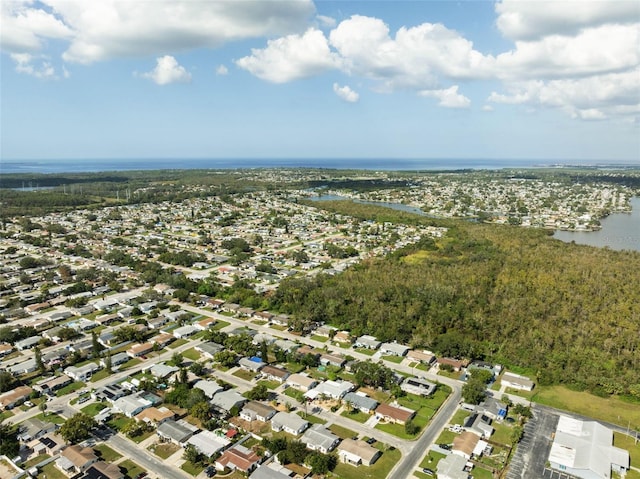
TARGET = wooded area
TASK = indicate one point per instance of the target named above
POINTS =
(566, 313)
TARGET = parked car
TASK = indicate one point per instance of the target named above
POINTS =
(427, 471)
(445, 446)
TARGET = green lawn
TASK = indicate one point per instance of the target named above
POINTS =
(502, 432)
(613, 409)
(446, 437)
(460, 416)
(311, 418)
(220, 324)
(193, 469)
(103, 373)
(118, 421)
(244, 374)
(129, 468)
(106, 453)
(367, 351)
(342, 432)
(480, 473)
(431, 460)
(36, 460)
(295, 394)
(5, 414)
(270, 384)
(93, 408)
(393, 359)
(294, 367)
(277, 327)
(356, 415)
(320, 339)
(380, 468)
(132, 362)
(191, 354)
(178, 343)
(50, 417)
(50, 471)
(74, 386)
(164, 450)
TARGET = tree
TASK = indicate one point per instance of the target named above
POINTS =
(201, 410)
(95, 345)
(321, 463)
(197, 368)
(258, 393)
(411, 428)
(38, 358)
(226, 358)
(108, 366)
(264, 352)
(9, 444)
(176, 359)
(473, 391)
(43, 407)
(191, 454)
(516, 434)
(6, 381)
(77, 428)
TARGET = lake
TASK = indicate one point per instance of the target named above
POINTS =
(620, 231)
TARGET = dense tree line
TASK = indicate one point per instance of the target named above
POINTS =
(567, 313)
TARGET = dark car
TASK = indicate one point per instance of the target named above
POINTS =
(428, 471)
(371, 440)
(445, 446)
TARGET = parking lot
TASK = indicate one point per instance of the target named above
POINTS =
(529, 460)
(553, 474)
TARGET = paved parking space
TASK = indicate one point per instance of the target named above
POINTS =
(529, 460)
(553, 474)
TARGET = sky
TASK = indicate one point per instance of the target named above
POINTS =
(550, 80)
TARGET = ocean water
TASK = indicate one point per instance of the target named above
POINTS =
(94, 165)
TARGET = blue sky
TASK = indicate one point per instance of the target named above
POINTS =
(303, 79)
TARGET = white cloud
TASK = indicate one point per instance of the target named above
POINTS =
(528, 20)
(346, 93)
(487, 108)
(449, 97)
(25, 27)
(222, 70)
(26, 63)
(103, 29)
(325, 21)
(601, 96)
(167, 71)
(291, 58)
(595, 50)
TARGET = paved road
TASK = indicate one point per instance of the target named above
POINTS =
(410, 461)
(151, 463)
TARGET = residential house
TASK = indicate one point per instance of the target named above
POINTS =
(288, 422)
(34, 428)
(327, 359)
(360, 402)
(424, 357)
(396, 414)
(116, 360)
(25, 367)
(455, 364)
(76, 459)
(110, 392)
(52, 384)
(228, 400)
(210, 388)
(138, 350)
(286, 345)
(177, 432)
(479, 424)
(154, 415)
(5, 349)
(15, 397)
(368, 342)
(273, 373)
(319, 438)
(343, 337)
(131, 405)
(465, 443)
(452, 467)
(418, 386)
(393, 349)
(585, 449)
(205, 324)
(270, 472)
(256, 410)
(185, 331)
(157, 323)
(27, 343)
(238, 458)
(209, 349)
(491, 407)
(357, 452)
(515, 381)
(82, 373)
(331, 389)
(50, 444)
(251, 364)
(162, 340)
(103, 470)
(162, 371)
(208, 443)
(301, 382)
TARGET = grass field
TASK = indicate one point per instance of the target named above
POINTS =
(130, 469)
(191, 354)
(356, 416)
(103, 373)
(93, 408)
(36, 460)
(625, 442)
(342, 432)
(106, 453)
(380, 469)
(611, 409)
(193, 469)
(164, 450)
(311, 418)
(50, 471)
